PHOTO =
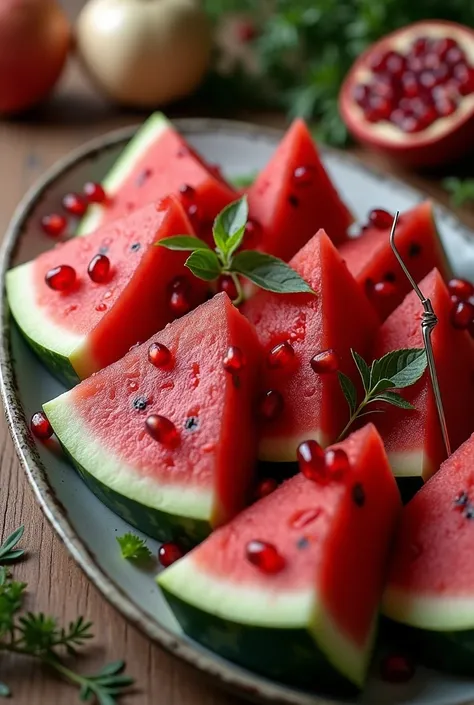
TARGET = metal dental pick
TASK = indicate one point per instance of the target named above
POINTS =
(428, 323)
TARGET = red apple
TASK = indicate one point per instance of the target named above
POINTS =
(35, 36)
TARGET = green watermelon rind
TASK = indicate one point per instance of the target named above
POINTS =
(150, 131)
(163, 513)
(285, 636)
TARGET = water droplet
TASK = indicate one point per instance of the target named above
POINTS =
(132, 385)
(101, 307)
(107, 294)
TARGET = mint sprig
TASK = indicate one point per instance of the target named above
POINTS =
(395, 370)
(132, 547)
(266, 271)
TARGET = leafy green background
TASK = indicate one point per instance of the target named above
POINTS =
(305, 48)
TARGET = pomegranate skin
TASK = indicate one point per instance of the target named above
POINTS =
(421, 149)
(35, 37)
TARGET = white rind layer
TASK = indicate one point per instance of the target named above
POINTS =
(133, 152)
(138, 485)
(429, 612)
(283, 449)
(410, 464)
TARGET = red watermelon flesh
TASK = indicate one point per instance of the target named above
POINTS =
(339, 317)
(413, 438)
(334, 549)
(430, 583)
(370, 258)
(101, 422)
(289, 208)
(102, 320)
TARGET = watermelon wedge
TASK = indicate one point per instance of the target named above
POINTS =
(158, 161)
(293, 197)
(337, 318)
(195, 477)
(371, 261)
(413, 438)
(430, 589)
(80, 330)
(312, 621)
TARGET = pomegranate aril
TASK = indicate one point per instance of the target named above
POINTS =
(396, 669)
(378, 62)
(461, 288)
(441, 46)
(465, 79)
(253, 233)
(419, 46)
(271, 405)
(187, 191)
(280, 355)
(264, 556)
(380, 107)
(445, 107)
(74, 204)
(162, 430)
(325, 362)
(54, 224)
(40, 426)
(169, 553)
(159, 355)
(337, 463)
(94, 192)
(227, 284)
(462, 314)
(61, 278)
(179, 302)
(409, 84)
(384, 289)
(395, 64)
(380, 219)
(265, 487)
(195, 215)
(361, 94)
(454, 56)
(303, 175)
(99, 269)
(427, 79)
(311, 461)
(234, 359)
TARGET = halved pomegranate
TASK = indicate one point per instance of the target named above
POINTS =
(411, 94)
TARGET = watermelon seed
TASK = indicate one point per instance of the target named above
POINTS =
(40, 426)
(397, 669)
(293, 201)
(140, 403)
(264, 556)
(61, 278)
(461, 500)
(304, 517)
(159, 355)
(234, 359)
(265, 487)
(99, 269)
(280, 355)
(358, 494)
(143, 176)
(414, 250)
(468, 511)
(271, 405)
(169, 553)
(135, 247)
(325, 361)
(103, 250)
(191, 423)
(162, 430)
(390, 277)
(303, 543)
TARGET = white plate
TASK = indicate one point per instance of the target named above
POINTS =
(87, 527)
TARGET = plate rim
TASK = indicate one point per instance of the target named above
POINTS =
(229, 676)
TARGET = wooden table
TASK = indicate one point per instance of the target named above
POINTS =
(57, 585)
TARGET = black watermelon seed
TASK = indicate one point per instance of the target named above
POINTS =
(469, 511)
(461, 499)
(191, 423)
(390, 277)
(358, 494)
(103, 250)
(414, 250)
(293, 200)
(135, 247)
(143, 176)
(140, 403)
(302, 543)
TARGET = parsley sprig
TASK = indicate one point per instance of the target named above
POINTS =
(39, 636)
(133, 547)
(266, 271)
(395, 370)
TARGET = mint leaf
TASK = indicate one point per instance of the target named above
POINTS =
(349, 390)
(381, 386)
(229, 227)
(243, 180)
(184, 243)
(402, 367)
(363, 368)
(133, 547)
(461, 190)
(269, 273)
(394, 399)
(204, 264)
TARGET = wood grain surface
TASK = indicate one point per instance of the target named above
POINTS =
(56, 585)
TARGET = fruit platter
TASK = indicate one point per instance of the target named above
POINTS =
(215, 376)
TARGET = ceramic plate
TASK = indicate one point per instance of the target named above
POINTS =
(90, 535)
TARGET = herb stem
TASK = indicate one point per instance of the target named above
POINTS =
(240, 293)
(366, 400)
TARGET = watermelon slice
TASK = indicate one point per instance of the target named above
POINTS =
(79, 331)
(169, 491)
(371, 261)
(158, 161)
(338, 317)
(313, 622)
(413, 438)
(293, 197)
(430, 588)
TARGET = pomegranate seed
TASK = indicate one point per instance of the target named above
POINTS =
(378, 62)
(159, 355)
(264, 556)
(162, 430)
(445, 107)
(280, 355)
(40, 426)
(101, 307)
(271, 405)
(382, 88)
(179, 302)
(384, 289)
(395, 64)
(54, 224)
(409, 84)
(427, 79)
(396, 669)
(461, 288)
(169, 553)
(471, 328)
(361, 94)
(265, 487)
(253, 232)
(99, 269)
(380, 219)
(465, 79)
(303, 175)
(442, 46)
(179, 284)
(234, 359)
(462, 314)
(61, 278)
(187, 191)
(74, 204)
(195, 215)
(454, 56)
(419, 46)
(227, 284)
(337, 463)
(94, 192)
(325, 361)
(380, 107)
(311, 461)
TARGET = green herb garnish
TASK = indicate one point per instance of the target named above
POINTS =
(461, 190)
(266, 271)
(40, 637)
(395, 370)
(133, 547)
